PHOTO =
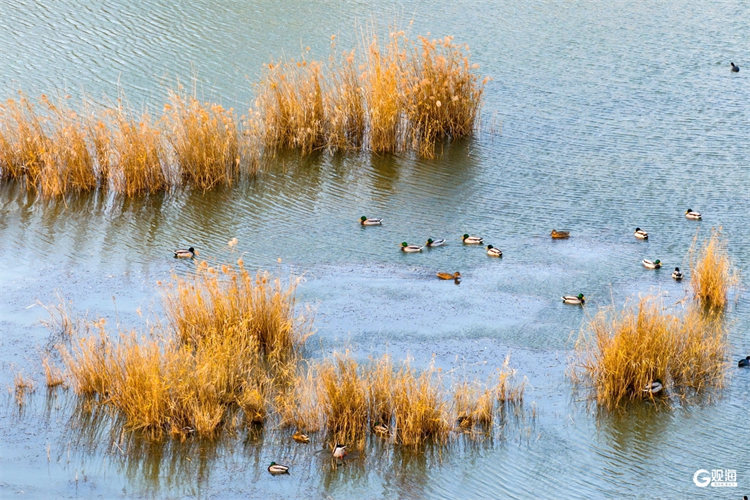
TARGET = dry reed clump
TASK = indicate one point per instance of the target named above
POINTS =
(135, 149)
(52, 374)
(475, 405)
(712, 272)
(291, 105)
(624, 352)
(22, 386)
(420, 407)
(400, 96)
(47, 149)
(342, 392)
(205, 140)
(220, 355)
(23, 141)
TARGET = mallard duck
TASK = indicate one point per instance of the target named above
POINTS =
(735, 68)
(301, 438)
(691, 214)
(676, 274)
(651, 264)
(370, 222)
(472, 240)
(654, 387)
(559, 235)
(435, 243)
(405, 247)
(339, 451)
(576, 300)
(494, 252)
(744, 363)
(640, 234)
(185, 254)
(276, 469)
(449, 276)
(380, 430)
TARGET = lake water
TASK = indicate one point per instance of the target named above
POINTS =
(607, 116)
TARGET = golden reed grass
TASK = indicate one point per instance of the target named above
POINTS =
(232, 344)
(401, 96)
(53, 150)
(712, 272)
(621, 353)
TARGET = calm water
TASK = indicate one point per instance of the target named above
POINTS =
(613, 115)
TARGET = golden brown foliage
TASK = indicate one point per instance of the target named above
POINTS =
(712, 272)
(623, 352)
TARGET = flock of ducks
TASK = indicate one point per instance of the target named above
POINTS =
(339, 452)
(492, 251)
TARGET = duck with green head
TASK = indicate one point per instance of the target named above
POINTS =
(575, 300)
(435, 243)
(651, 264)
(406, 248)
(471, 240)
(692, 214)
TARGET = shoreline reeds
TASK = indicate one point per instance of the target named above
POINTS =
(404, 96)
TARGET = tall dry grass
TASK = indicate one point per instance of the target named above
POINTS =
(622, 352)
(401, 95)
(205, 139)
(712, 272)
(231, 343)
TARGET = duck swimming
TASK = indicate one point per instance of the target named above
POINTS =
(276, 469)
(435, 243)
(494, 252)
(691, 214)
(651, 264)
(185, 254)
(676, 274)
(472, 240)
(405, 247)
(559, 235)
(370, 222)
(735, 68)
(744, 363)
(576, 300)
(301, 438)
(449, 276)
(640, 234)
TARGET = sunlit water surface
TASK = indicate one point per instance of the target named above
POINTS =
(601, 116)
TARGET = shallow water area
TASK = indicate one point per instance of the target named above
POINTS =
(599, 118)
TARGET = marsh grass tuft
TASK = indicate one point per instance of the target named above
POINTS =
(231, 342)
(712, 272)
(22, 386)
(623, 352)
(398, 96)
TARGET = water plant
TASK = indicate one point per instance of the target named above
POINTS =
(712, 274)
